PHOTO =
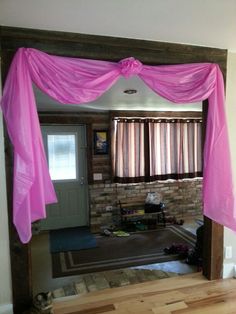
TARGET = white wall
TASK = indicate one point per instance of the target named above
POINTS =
(230, 236)
(210, 23)
(5, 271)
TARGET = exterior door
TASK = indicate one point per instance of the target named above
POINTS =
(65, 148)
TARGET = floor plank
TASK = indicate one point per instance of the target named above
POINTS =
(185, 294)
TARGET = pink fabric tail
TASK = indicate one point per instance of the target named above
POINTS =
(33, 188)
(218, 190)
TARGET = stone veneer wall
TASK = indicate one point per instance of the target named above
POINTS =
(182, 199)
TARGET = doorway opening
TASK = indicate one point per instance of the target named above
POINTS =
(102, 194)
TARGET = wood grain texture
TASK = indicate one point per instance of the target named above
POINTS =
(184, 294)
(213, 242)
(20, 253)
(109, 48)
(213, 232)
(156, 114)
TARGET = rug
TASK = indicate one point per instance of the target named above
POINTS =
(139, 248)
(71, 239)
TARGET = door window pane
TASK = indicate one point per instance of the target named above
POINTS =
(62, 156)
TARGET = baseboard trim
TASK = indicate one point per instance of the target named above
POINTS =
(6, 309)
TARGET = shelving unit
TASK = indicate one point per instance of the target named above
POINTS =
(136, 212)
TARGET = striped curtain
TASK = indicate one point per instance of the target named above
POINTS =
(128, 150)
(156, 149)
(175, 147)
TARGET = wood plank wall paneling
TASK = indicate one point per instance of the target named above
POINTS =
(156, 114)
(20, 254)
(109, 48)
(93, 47)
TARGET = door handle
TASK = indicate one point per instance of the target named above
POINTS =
(81, 180)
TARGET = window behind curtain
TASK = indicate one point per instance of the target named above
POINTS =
(175, 148)
(156, 149)
(128, 150)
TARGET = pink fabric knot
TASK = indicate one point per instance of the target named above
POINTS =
(130, 66)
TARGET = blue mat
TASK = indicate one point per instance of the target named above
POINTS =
(71, 239)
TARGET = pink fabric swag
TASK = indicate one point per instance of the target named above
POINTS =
(75, 81)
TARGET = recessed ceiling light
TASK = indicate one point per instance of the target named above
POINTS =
(130, 91)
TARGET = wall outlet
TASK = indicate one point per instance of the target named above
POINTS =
(97, 176)
(109, 208)
(228, 252)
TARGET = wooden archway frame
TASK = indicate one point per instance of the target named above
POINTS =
(112, 49)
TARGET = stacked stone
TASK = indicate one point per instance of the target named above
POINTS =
(183, 199)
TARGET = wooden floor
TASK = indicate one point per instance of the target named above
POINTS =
(185, 294)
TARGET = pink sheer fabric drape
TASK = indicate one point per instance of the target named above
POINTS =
(75, 81)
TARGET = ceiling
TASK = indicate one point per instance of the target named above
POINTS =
(210, 23)
(115, 99)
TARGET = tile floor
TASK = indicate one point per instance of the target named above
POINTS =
(41, 263)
